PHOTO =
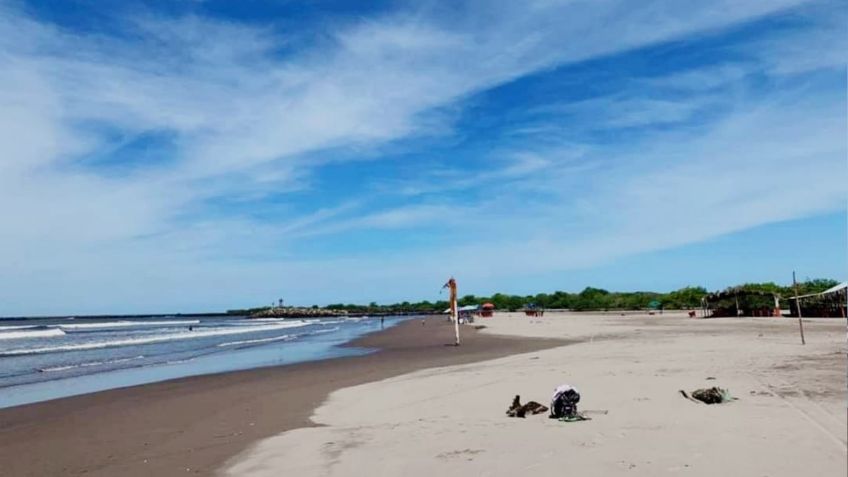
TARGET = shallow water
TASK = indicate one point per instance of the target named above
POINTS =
(47, 359)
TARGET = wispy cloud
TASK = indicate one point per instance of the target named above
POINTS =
(237, 115)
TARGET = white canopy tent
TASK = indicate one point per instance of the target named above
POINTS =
(464, 308)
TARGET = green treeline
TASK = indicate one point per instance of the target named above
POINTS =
(588, 299)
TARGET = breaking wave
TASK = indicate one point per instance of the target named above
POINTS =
(151, 339)
(88, 365)
(258, 340)
(31, 333)
(277, 338)
(125, 324)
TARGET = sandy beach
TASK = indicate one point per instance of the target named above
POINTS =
(194, 425)
(239, 238)
(789, 418)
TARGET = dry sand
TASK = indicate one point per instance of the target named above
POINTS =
(789, 420)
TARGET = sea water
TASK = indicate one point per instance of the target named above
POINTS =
(43, 359)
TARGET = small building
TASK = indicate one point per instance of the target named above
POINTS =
(487, 310)
(532, 310)
(738, 301)
(466, 313)
(829, 303)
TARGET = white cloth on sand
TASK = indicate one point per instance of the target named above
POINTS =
(562, 389)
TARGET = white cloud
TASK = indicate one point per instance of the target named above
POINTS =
(627, 112)
(772, 161)
(245, 117)
(703, 78)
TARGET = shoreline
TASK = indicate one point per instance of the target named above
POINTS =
(304, 342)
(196, 424)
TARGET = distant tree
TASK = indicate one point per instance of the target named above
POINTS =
(768, 287)
(515, 302)
(589, 298)
(816, 285)
(688, 297)
(500, 301)
(592, 299)
(561, 299)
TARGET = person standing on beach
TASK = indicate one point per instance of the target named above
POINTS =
(382, 319)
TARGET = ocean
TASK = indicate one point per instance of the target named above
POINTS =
(43, 359)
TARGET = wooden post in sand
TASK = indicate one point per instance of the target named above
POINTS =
(451, 286)
(736, 296)
(798, 307)
(456, 323)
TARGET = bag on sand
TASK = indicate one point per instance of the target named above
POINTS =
(564, 402)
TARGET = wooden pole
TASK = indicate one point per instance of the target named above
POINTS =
(455, 316)
(798, 307)
(736, 296)
(451, 286)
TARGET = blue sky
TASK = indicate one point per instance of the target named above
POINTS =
(201, 155)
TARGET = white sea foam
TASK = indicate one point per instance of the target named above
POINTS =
(89, 364)
(125, 324)
(153, 339)
(278, 338)
(259, 340)
(179, 361)
(58, 368)
(276, 320)
(319, 332)
(332, 322)
(31, 333)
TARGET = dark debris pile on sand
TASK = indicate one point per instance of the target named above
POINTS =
(713, 395)
(519, 410)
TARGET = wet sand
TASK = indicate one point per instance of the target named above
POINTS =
(194, 425)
